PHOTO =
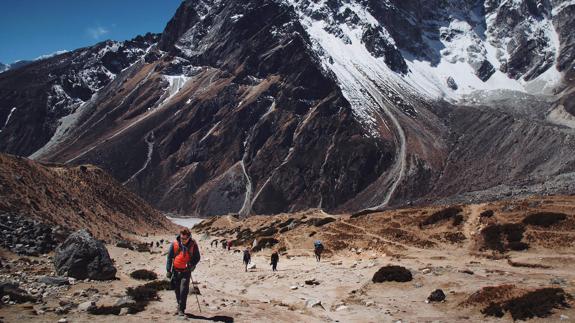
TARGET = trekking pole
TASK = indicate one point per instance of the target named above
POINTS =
(194, 286)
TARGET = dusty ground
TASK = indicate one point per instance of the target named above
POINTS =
(357, 248)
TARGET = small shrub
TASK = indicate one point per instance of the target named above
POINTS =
(392, 273)
(544, 219)
(143, 274)
(445, 214)
(142, 293)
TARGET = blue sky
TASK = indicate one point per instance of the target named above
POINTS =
(31, 28)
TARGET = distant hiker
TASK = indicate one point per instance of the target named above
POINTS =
(255, 243)
(224, 244)
(317, 249)
(247, 258)
(229, 244)
(157, 244)
(183, 257)
(151, 244)
(274, 261)
(215, 241)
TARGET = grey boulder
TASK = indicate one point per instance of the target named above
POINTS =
(81, 256)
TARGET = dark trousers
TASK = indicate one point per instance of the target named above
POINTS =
(274, 266)
(182, 287)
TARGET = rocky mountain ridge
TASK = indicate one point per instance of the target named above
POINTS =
(278, 106)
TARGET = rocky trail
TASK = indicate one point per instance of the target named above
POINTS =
(340, 287)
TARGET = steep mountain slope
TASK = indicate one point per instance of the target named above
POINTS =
(75, 198)
(36, 98)
(275, 106)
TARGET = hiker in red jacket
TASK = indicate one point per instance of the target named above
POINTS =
(183, 257)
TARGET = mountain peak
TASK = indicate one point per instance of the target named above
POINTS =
(263, 107)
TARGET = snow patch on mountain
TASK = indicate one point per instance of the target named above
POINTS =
(8, 118)
(58, 52)
(176, 82)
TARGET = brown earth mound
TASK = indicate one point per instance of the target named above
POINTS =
(75, 198)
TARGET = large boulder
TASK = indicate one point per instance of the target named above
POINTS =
(81, 256)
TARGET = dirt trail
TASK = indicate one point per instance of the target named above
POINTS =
(472, 225)
(383, 239)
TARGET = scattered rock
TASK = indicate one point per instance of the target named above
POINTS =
(251, 266)
(55, 281)
(84, 307)
(341, 308)
(451, 83)
(125, 301)
(125, 245)
(124, 311)
(81, 256)
(313, 303)
(29, 237)
(392, 273)
(436, 296)
(62, 310)
(294, 287)
(12, 294)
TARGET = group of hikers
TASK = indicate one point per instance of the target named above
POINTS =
(184, 255)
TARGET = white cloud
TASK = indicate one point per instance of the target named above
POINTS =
(97, 32)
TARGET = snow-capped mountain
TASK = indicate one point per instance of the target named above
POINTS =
(281, 105)
(22, 63)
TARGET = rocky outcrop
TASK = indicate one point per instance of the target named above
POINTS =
(29, 237)
(83, 257)
(45, 91)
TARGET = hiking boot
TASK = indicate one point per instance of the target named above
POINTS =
(181, 313)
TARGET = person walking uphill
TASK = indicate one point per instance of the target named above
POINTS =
(183, 257)
(317, 250)
(274, 261)
(247, 258)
